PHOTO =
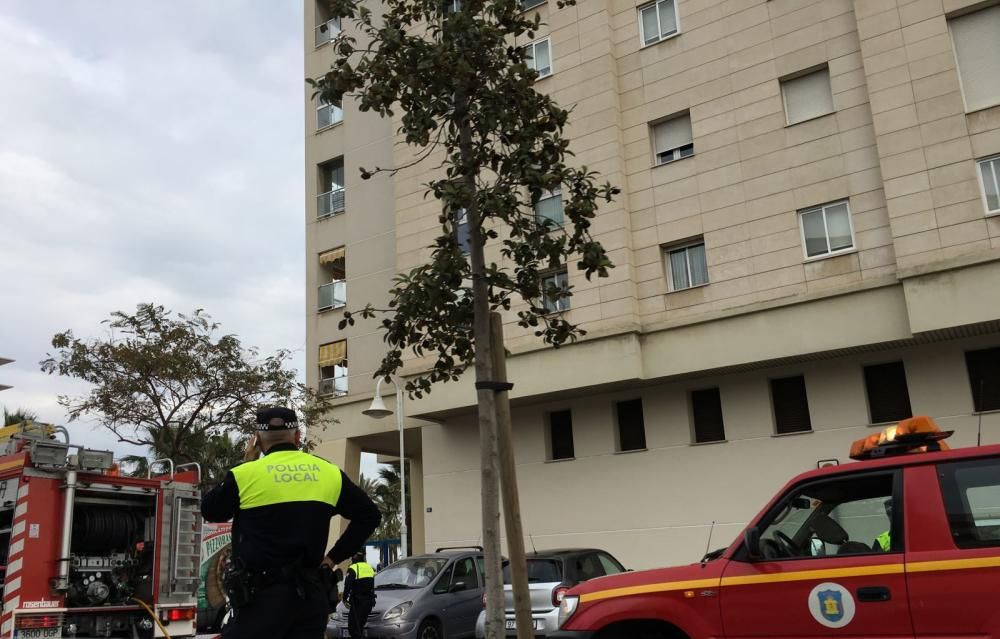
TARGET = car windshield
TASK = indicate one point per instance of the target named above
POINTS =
(540, 571)
(409, 573)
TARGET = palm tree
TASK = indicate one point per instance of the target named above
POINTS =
(18, 416)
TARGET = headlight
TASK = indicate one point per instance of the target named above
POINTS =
(568, 607)
(397, 612)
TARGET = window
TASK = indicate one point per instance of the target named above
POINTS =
(657, 21)
(631, 427)
(843, 516)
(452, 6)
(977, 50)
(333, 368)
(333, 278)
(589, 566)
(328, 114)
(531, 4)
(971, 491)
(328, 26)
(610, 564)
(549, 209)
(539, 57)
(989, 176)
(672, 139)
(686, 266)
(561, 435)
(888, 396)
(807, 96)
(791, 408)
(984, 378)
(827, 229)
(555, 292)
(540, 571)
(464, 576)
(331, 200)
(706, 410)
(463, 235)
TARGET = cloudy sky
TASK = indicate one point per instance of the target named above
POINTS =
(149, 151)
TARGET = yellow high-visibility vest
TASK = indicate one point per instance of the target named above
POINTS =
(362, 570)
(287, 476)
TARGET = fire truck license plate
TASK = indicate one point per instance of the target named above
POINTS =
(38, 633)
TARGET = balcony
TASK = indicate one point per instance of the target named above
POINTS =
(327, 31)
(336, 386)
(327, 115)
(332, 295)
(331, 203)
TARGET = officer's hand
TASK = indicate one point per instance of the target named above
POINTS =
(250, 453)
(328, 564)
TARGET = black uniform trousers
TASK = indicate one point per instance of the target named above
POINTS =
(279, 611)
(361, 607)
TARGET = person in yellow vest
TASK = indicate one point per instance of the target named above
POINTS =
(281, 505)
(359, 594)
(884, 541)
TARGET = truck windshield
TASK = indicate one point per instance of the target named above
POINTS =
(409, 573)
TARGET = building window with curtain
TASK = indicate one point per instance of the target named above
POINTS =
(672, 139)
(976, 37)
(686, 265)
(333, 368)
(328, 114)
(538, 56)
(549, 209)
(657, 21)
(989, 178)
(807, 96)
(552, 285)
(827, 230)
(333, 275)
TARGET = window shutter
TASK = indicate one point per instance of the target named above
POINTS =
(977, 46)
(333, 353)
(791, 406)
(888, 396)
(561, 433)
(808, 96)
(673, 133)
(706, 408)
(984, 378)
(337, 254)
(631, 426)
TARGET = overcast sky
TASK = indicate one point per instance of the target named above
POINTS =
(150, 151)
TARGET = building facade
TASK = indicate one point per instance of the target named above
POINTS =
(807, 245)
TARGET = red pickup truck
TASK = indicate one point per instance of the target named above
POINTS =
(898, 545)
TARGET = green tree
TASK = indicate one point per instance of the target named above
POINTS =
(463, 89)
(465, 93)
(174, 385)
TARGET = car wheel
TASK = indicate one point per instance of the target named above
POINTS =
(430, 630)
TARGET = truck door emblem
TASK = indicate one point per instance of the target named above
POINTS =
(831, 605)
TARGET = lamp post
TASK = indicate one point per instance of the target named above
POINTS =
(378, 410)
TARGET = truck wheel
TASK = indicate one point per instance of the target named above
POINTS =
(430, 630)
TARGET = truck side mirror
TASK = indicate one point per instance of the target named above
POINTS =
(751, 538)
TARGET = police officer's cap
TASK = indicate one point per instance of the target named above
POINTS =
(276, 418)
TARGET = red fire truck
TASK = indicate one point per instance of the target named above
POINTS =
(85, 552)
(903, 544)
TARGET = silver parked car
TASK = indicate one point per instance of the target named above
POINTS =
(550, 574)
(432, 596)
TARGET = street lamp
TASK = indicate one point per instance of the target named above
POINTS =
(378, 410)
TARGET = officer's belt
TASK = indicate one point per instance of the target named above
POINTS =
(288, 576)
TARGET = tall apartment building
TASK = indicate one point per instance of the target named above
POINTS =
(807, 246)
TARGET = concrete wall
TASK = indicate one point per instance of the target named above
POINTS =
(655, 507)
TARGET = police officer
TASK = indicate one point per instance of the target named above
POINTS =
(884, 540)
(359, 593)
(281, 506)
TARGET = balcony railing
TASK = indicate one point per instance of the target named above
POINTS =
(331, 202)
(336, 386)
(327, 31)
(328, 115)
(332, 295)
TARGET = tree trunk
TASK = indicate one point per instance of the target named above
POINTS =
(508, 482)
(486, 397)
